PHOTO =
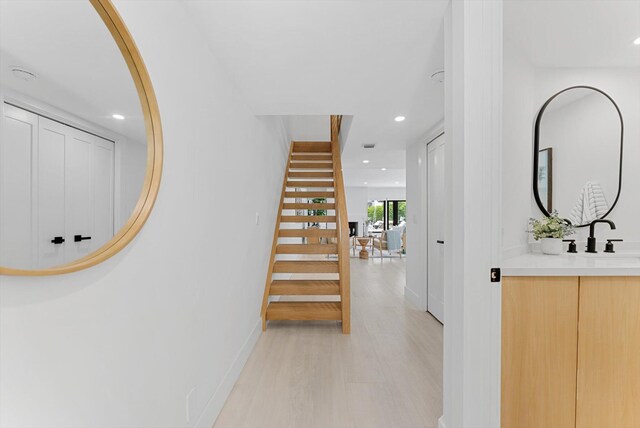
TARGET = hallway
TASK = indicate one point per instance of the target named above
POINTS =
(386, 374)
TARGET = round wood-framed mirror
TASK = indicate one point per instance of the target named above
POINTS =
(131, 221)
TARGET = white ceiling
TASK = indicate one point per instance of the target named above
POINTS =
(372, 60)
(79, 66)
(575, 33)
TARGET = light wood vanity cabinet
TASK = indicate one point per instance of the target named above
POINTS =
(570, 352)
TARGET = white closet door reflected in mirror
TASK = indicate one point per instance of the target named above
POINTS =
(59, 187)
(73, 152)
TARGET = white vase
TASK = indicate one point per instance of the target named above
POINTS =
(551, 246)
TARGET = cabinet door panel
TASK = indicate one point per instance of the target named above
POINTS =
(539, 345)
(609, 353)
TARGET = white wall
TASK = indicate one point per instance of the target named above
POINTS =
(357, 199)
(177, 312)
(308, 128)
(387, 193)
(517, 162)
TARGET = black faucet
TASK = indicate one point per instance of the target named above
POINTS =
(591, 240)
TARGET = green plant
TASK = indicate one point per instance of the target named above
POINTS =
(550, 227)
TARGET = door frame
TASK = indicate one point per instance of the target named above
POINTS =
(440, 133)
(473, 122)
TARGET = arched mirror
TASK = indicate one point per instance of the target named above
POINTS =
(578, 142)
(80, 137)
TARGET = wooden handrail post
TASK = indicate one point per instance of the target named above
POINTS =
(342, 225)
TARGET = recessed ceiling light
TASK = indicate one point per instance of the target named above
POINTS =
(399, 118)
(365, 161)
(397, 182)
(365, 182)
(118, 116)
(637, 41)
(383, 169)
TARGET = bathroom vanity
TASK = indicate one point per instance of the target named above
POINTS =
(571, 341)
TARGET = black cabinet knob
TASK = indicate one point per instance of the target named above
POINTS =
(57, 240)
(79, 238)
(439, 242)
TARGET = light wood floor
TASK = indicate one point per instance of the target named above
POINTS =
(386, 374)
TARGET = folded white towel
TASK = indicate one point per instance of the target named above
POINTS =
(591, 204)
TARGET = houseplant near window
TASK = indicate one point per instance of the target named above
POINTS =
(550, 231)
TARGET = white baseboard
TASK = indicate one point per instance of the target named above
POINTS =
(413, 299)
(441, 422)
(215, 404)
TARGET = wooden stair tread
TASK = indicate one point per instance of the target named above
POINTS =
(311, 147)
(307, 233)
(311, 165)
(305, 266)
(306, 183)
(305, 287)
(312, 157)
(310, 174)
(307, 219)
(303, 311)
(309, 195)
(307, 249)
(309, 206)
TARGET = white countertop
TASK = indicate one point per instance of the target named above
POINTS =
(581, 264)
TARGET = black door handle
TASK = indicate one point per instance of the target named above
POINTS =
(57, 240)
(439, 242)
(78, 238)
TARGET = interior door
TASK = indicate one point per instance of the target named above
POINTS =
(88, 193)
(53, 137)
(435, 228)
(18, 144)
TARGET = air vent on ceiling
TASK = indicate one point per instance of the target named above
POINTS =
(22, 73)
(368, 146)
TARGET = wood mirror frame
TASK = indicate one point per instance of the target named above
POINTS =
(149, 105)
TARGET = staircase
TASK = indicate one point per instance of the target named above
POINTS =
(319, 258)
